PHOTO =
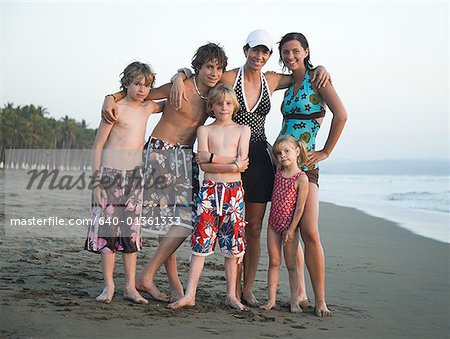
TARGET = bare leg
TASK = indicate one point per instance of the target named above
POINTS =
(231, 275)
(274, 247)
(195, 271)
(314, 256)
(291, 257)
(129, 264)
(167, 246)
(108, 271)
(238, 282)
(302, 297)
(176, 289)
(254, 215)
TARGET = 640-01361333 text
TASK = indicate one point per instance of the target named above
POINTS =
(110, 221)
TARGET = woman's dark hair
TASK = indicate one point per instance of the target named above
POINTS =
(302, 40)
(208, 52)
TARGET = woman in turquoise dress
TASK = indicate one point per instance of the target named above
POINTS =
(303, 110)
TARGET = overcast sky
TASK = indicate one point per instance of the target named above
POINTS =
(388, 60)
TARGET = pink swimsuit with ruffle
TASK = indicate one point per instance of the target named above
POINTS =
(284, 198)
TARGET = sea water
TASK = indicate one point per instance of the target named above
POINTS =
(420, 204)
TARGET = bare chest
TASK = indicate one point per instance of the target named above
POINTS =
(252, 93)
(223, 140)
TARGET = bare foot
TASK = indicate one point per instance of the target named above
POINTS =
(151, 289)
(295, 308)
(106, 296)
(250, 300)
(134, 296)
(304, 303)
(176, 295)
(321, 310)
(268, 305)
(186, 301)
(235, 303)
(183, 302)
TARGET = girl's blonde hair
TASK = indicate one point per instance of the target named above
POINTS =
(218, 94)
(303, 156)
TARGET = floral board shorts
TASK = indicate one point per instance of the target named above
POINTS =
(220, 215)
(170, 186)
(116, 226)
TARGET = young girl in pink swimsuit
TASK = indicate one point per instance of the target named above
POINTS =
(288, 201)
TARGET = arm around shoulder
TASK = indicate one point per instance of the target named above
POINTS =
(278, 80)
(109, 107)
(229, 77)
(320, 76)
(161, 92)
(154, 107)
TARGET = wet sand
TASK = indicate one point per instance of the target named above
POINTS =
(382, 281)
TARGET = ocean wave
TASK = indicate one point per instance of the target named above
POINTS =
(431, 201)
(417, 195)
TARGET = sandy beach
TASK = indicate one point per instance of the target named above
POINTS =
(382, 281)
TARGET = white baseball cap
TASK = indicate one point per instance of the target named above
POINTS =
(260, 37)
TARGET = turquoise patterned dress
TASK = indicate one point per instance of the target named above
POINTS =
(300, 113)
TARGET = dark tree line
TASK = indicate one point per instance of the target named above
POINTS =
(27, 127)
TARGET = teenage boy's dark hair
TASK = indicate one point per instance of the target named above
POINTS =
(205, 53)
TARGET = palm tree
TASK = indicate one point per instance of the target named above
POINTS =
(28, 127)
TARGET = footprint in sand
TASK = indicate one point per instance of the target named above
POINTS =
(209, 330)
(281, 334)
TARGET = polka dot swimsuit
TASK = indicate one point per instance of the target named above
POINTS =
(284, 198)
(256, 117)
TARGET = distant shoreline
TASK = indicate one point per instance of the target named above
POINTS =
(387, 167)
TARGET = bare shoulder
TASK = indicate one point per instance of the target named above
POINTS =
(161, 92)
(328, 89)
(278, 80)
(201, 130)
(229, 76)
(272, 74)
(189, 87)
(302, 180)
(245, 129)
(150, 106)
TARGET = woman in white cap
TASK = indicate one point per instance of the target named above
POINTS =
(253, 90)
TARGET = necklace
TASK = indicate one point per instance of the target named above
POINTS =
(198, 92)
